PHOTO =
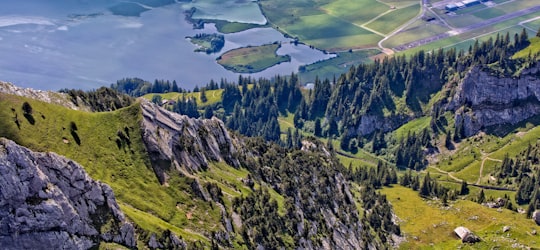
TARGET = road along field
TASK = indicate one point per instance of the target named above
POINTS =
(341, 24)
(456, 28)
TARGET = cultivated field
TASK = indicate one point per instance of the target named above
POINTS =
(392, 20)
(341, 24)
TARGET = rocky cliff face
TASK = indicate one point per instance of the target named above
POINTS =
(49, 202)
(370, 123)
(186, 144)
(482, 100)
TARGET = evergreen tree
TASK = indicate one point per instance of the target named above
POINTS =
(481, 196)
(464, 188)
(157, 99)
(174, 86)
(318, 128)
(425, 188)
(203, 95)
(208, 112)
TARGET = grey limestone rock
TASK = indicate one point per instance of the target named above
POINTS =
(50, 202)
(482, 100)
(177, 141)
(536, 217)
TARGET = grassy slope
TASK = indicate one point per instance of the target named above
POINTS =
(533, 48)
(150, 205)
(436, 230)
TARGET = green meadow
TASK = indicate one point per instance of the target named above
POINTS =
(427, 224)
(252, 59)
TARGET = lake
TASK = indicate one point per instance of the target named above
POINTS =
(51, 45)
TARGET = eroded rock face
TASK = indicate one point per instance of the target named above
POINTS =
(483, 100)
(370, 123)
(177, 141)
(50, 202)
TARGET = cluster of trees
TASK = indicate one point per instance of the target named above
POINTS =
(315, 189)
(254, 111)
(100, 100)
(522, 172)
(187, 106)
(382, 175)
(428, 187)
(215, 41)
(138, 87)
(411, 150)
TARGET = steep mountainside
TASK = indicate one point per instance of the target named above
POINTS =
(315, 217)
(482, 99)
(49, 202)
(190, 183)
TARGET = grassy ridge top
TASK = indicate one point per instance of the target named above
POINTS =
(212, 96)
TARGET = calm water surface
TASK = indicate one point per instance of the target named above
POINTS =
(60, 44)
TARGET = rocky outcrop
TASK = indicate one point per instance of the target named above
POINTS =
(50, 202)
(186, 144)
(40, 95)
(370, 123)
(482, 100)
(466, 235)
(536, 217)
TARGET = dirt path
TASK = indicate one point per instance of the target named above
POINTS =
(447, 173)
(482, 167)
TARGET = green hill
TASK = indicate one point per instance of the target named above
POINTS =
(125, 167)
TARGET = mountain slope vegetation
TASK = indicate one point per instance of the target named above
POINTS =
(204, 197)
(459, 120)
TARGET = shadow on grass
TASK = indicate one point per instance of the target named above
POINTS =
(76, 137)
(505, 129)
(30, 118)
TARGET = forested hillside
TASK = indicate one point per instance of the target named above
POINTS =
(189, 183)
(445, 119)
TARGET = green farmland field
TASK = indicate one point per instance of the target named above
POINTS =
(330, 25)
(357, 12)
(391, 21)
(324, 26)
(415, 31)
